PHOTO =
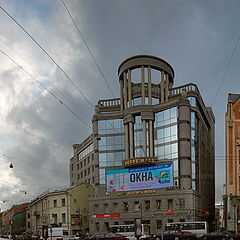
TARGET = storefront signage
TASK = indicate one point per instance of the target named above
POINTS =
(136, 192)
(106, 215)
(140, 161)
(142, 178)
(170, 212)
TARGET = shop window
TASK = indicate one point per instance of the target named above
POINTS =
(159, 223)
(97, 226)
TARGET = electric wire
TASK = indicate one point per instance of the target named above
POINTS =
(39, 73)
(58, 99)
(51, 58)
(89, 50)
(225, 73)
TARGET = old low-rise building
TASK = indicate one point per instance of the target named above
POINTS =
(65, 207)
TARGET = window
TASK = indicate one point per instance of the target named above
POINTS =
(96, 208)
(170, 220)
(115, 207)
(78, 176)
(72, 167)
(136, 206)
(159, 223)
(88, 171)
(28, 215)
(63, 202)
(106, 225)
(63, 217)
(170, 204)
(158, 203)
(77, 166)
(29, 225)
(125, 206)
(75, 200)
(97, 226)
(54, 216)
(147, 205)
(182, 203)
(92, 168)
(84, 162)
(81, 164)
(81, 174)
(182, 220)
(93, 180)
(85, 172)
(54, 203)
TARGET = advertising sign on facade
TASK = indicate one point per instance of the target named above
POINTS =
(132, 179)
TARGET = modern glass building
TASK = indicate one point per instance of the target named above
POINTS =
(151, 124)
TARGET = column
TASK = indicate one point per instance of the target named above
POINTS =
(131, 139)
(129, 88)
(167, 87)
(121, 94)
(127, 140)
(162, 86)
(149, 86)
(144, 138)
(143, 85)
(151, 141)
(185, 144)
(125, 90)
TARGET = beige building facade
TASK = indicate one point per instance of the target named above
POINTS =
(64, 207)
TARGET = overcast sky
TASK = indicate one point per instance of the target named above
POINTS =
(37, 133)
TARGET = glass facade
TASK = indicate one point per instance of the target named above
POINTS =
(138, 101)
(111, 145)
(193, 155)
(85, 152)
(165, 137)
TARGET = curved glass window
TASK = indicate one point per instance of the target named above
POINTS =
(138, 101)
(111, 145)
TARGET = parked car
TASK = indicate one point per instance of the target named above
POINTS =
(175, 235)
(220, 235)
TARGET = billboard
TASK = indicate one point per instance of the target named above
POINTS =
(131, 179)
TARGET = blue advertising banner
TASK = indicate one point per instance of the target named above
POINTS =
(131, 179)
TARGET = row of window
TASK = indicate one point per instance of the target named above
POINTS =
(141, 206)
(85, 152)
(85, 173)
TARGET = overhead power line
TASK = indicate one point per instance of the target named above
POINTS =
(91, 53)
(39, 73)
(225, 73)
(29, 74)
(51, 58)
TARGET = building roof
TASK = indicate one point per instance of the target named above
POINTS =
(233, 97)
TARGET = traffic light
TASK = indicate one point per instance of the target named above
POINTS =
(11, 222)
